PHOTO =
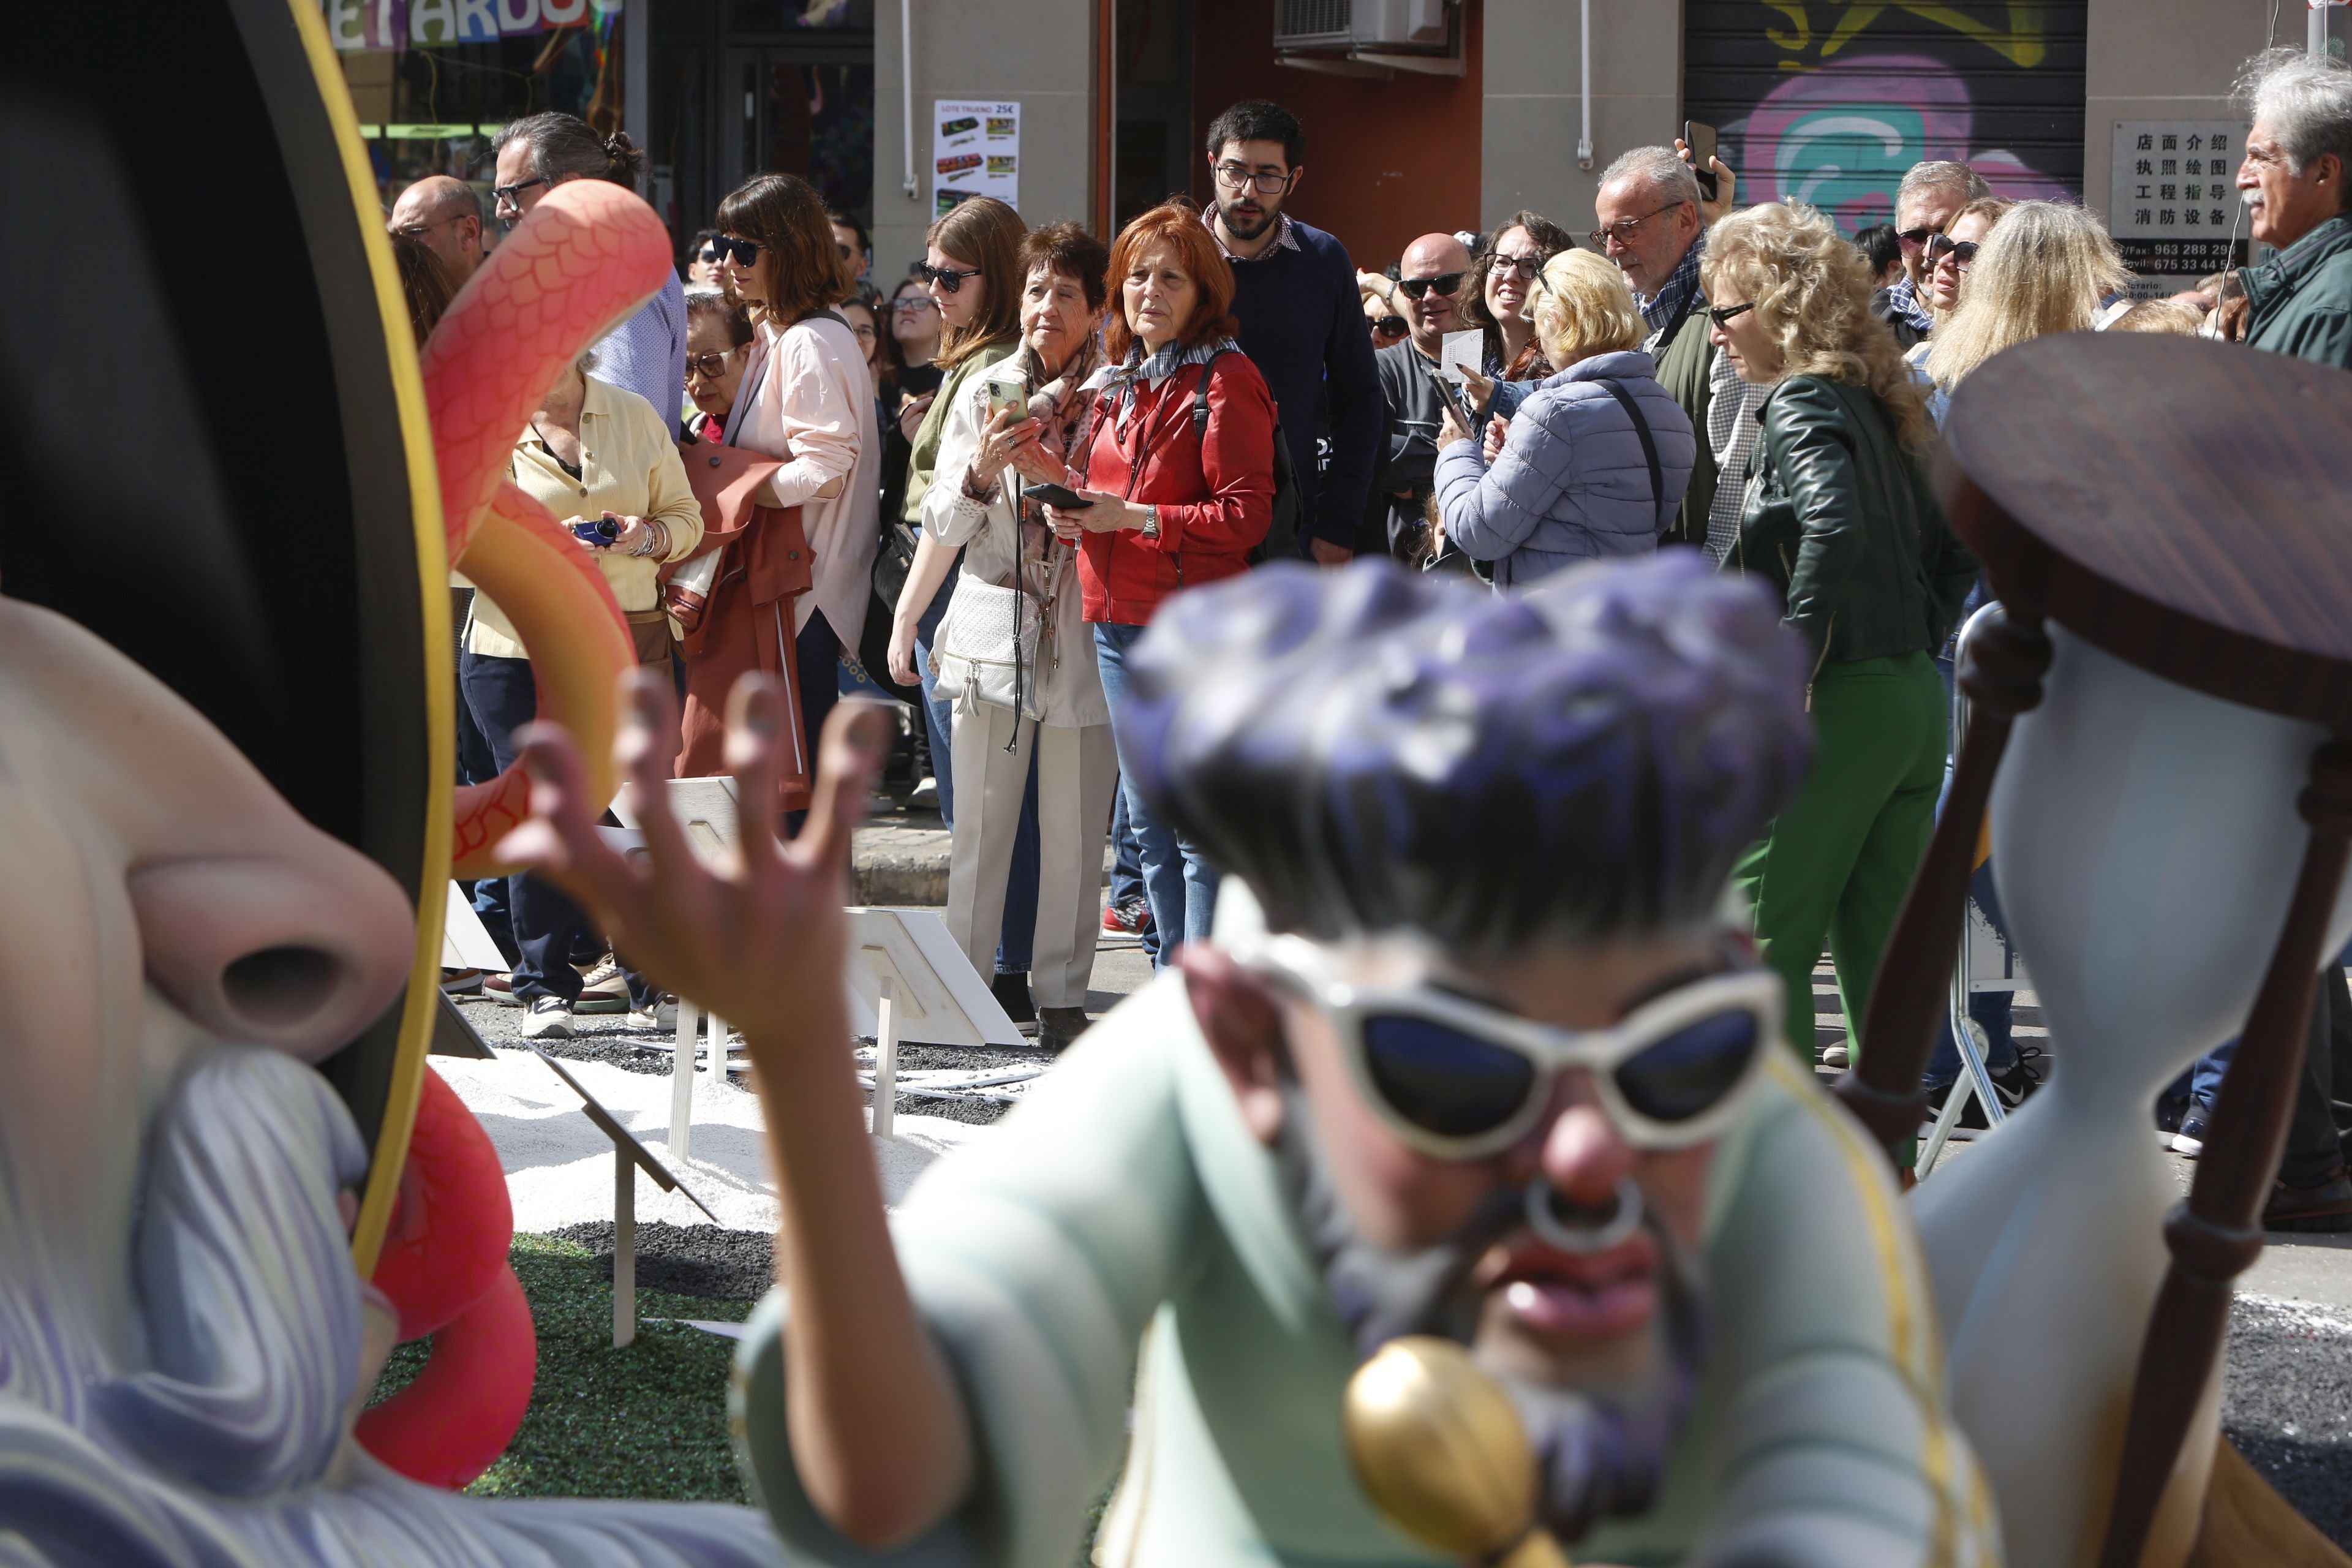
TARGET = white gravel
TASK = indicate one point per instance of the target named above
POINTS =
(559, 1165)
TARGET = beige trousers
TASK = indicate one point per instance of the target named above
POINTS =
(1078, 770)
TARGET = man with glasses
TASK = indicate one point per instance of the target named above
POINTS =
(1653, 223)
(1931, 194)
(1479, 1061)
(1434, 279)
(447, 216)
(1302, 322)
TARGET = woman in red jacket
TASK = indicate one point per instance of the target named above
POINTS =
(1174, 503)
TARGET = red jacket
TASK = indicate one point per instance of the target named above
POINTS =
(1215, 496)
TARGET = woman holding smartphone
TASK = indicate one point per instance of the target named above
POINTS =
(1173, 500)
(1022, 422)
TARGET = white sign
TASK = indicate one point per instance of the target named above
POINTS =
(2175, 210)
(975, 152)
(1457, 352)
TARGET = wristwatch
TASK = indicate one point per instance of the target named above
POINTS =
(1151, 522)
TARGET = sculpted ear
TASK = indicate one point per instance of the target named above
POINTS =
(1242, 1024)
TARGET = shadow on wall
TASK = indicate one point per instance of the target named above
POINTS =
(1828, 103)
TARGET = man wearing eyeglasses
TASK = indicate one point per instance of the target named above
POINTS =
(1924, 202)
(1653, 223)
(1479, 1061)
(1301, 319)
(1432, 281)
(447, 216)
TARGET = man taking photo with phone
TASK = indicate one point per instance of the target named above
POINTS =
(1434, 275)
(1302, 322)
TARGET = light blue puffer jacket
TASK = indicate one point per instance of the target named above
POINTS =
(1572, 483)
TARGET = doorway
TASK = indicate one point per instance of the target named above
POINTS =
(804, 108)
(1153, 156)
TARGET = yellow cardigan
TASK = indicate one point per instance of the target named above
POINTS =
(629, 466)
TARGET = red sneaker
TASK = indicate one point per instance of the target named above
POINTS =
(1132, 917)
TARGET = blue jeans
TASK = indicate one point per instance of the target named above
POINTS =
(1992, 1010)
(938, 714)
(502, 698)
(1018, 935)
(1180, 885)
(1127, 866)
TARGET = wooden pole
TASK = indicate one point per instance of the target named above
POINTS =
(625, 1248)
(885, 1058)
(2217, 1232)
(681, 1077)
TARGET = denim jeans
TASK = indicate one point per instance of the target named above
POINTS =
(938, 714)
(502, 698)
(1992, 1010)
(1178, 883)
(1019, 933)
(1126, 867)
(2313, 1140)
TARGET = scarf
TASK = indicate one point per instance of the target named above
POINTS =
(1117, 381)
(1903, 303)
(1679, 288)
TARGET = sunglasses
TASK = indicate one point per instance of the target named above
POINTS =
(1962, 252)
(1391, 327)
(947, 278)
(1724, 315)
(1912, 238)
(1459, 1081)
(745, 251)
(1445, 284)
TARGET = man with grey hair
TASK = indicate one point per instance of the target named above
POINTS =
(645, 353)
(1653, 221)
(1924, 202)
(2298, 156)
(445, 215)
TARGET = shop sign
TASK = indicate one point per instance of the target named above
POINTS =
(383, 25)
(2174, 208)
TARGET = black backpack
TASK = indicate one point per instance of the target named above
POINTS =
(1281, 543)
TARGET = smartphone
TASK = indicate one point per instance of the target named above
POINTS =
(1009, 395)
(1700, 139)
(1053, 495)
(1457, 397)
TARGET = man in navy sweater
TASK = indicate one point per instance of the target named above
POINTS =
(1301, 321)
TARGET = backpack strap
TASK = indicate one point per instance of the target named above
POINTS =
(1649, 447)
(1201, 395)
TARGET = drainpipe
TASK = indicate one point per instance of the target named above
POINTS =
(1584, 95)
(907, 95)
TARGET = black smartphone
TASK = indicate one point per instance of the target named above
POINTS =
(1457, 397)
(1700, 139)
(1053, 495)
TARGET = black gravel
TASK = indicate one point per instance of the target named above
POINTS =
(596, 1037)
(2287, 1405)
(979, 1060)
(706, 1261)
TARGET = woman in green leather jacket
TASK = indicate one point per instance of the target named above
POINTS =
(1840, 522)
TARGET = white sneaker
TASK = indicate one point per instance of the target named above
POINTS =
(662, 1014)
(1836, 1058)
(550, 1019)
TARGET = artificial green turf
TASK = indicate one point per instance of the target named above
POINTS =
(646, 1422)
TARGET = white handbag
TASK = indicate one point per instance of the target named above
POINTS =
(987, 650)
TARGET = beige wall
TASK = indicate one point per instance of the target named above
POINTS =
(2164, 59)
(964, 50)
(1533, 113)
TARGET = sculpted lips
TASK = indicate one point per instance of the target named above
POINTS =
(1568, 1295)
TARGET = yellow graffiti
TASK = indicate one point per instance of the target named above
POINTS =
(2021, 42)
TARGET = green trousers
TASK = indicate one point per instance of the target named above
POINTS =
(1832, 868)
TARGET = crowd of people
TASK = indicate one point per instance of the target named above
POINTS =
(1003, 469)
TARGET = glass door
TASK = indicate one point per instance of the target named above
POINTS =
(804, 109)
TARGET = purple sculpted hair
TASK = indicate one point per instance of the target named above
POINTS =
(1374, 750)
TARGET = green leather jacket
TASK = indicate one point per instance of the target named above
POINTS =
(1846, 527)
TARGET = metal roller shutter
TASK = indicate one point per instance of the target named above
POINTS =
(1830, 103)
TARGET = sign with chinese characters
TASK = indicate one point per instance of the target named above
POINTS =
(2174, 211)
(975, 152)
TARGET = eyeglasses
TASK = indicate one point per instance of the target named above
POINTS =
(745, 251)
(947, 278)
(1266, 183)
(707, 256)
(1526, 266)
(864, 333)
(511, 196)
(1724, 315)
(1390, 327)
(1963, 252)
(1624, 228)
(1460, 1080)
(710, 366)
(1912, 238)
(1445, 283)
(914, 305)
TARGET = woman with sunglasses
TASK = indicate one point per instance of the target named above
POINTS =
(805, 399)
(1503, 302)
(2047, 267)
(1946, 260)
(1594, 463)
(1841, 524)
(1476, 1061)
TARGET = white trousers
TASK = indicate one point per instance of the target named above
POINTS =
(1078, 771)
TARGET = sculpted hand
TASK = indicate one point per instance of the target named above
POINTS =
(761, 942)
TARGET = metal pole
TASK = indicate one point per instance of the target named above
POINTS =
(1584, 93)
(907, 93)
(2314, 37)
(625, 1248)
(885, 1058)
(636, 80)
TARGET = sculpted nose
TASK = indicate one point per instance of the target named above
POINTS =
(299, 951)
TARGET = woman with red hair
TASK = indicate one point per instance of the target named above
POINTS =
(1175, 499)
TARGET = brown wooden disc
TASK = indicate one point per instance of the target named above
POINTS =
(2184, 504)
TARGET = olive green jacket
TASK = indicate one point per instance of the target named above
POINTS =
(1684, 360)
(2301, 299)
(1846, 527)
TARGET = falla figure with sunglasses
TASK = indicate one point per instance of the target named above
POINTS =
(1479, 1058)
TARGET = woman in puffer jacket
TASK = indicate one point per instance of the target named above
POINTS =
(1594, 463)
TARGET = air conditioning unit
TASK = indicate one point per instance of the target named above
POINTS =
(1370, 37)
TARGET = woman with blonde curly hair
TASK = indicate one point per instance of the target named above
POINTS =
(1841, 524)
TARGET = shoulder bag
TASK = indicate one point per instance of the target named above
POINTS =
(987, 651)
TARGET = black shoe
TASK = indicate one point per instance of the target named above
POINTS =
(2326, 1207)
(2018, 1081)
(1972, 1114)
(2190, 1137)
(1059, 1028)
(1011, 993)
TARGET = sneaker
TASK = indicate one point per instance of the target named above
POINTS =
(1059, 1028)
(1972, 1114)
(662, 1014)
(1132, 917)
(2191, 1138)
(500, 988)
(596, 973)
(2326, 1207)
(461, 983)
(1836, 1058)
(550, 1019)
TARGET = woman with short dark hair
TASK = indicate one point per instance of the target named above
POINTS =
(806, 399)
